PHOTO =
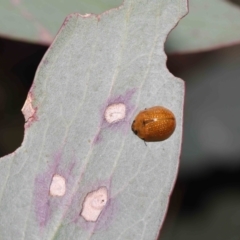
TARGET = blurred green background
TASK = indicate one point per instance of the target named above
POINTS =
(205, 203)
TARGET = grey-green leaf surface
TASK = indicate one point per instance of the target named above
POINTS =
(208, 25)
(38, 21)
(96, 61)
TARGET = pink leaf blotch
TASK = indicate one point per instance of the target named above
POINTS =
(58, 186)
(94, 203)
(45, 196)
(116, 114)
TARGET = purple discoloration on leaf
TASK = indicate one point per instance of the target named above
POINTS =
(122, 125)
(42, 204)
(45, 62)
(71, 203)
(43, 201)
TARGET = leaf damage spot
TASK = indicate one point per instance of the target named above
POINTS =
(94, 203)
(115, 112)
(28, 111)
(54, 181)
(58, 186)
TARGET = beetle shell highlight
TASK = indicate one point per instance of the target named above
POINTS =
(154, 124)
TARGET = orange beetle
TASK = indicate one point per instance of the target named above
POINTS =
(154, 124)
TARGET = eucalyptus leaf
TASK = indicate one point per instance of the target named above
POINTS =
(208, 25)
(71, 153)
(38, 21)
